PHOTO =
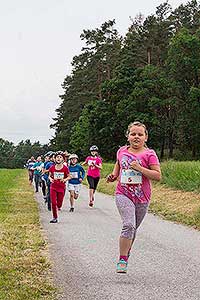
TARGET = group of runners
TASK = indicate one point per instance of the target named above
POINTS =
(59, 168)
(136, 165)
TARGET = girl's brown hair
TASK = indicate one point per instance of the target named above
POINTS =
(136, 123)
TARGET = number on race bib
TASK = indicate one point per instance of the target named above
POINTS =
(131, 177)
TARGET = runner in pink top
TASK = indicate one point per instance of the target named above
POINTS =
(136, 165)
(94, 163)
(140, 191)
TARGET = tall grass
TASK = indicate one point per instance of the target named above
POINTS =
(8, 180)
(182, 175)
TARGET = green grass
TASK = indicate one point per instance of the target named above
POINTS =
(24, 268)
(182, 175)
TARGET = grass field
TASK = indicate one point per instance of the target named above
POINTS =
(182, 175)
(24, 268)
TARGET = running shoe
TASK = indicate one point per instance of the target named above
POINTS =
(91, 203)
(71, 209)
(54, 220)
(122, 266)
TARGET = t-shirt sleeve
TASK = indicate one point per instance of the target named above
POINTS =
(99, 161)
(82, 172)
(47, 166)
(51, 169)
(153, 158)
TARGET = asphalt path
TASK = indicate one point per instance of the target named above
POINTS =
(83, 248)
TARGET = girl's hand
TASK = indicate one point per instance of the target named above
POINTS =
(68, 178)
(51, 179)
(111, 178)
(136, 166)
(80, 179)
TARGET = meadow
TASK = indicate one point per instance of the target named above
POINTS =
(24, 271)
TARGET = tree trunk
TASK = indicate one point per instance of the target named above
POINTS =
(99, 80)
(148, 56)
(193, 151)
(171, 145)
(108, 72)
(162, 148)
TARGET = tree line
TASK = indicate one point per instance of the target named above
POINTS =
(151, 75)
(13, 157)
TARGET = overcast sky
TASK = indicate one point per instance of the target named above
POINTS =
(38, 41)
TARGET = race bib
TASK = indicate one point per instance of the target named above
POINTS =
(131, 177)
(58, 175)
(74, 174)
(90, 162)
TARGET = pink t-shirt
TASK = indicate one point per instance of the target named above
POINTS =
(93, 171)
(132, 183)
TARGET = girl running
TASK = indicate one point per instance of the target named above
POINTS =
(58, 175)
(94, 163)
(74, 184)
(136, 165)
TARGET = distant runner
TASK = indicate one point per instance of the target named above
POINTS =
(94, 163)
(29, 166)
(37, 168)
(74, 185)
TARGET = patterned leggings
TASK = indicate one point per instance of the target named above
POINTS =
(131, 214)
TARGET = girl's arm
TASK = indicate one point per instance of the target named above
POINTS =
(82, 175)
(51, 178)
(115, 173)
(154, 173)
(98, 166)
(67, 178)
(33, 167)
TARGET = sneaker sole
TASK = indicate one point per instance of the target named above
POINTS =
(121, 271)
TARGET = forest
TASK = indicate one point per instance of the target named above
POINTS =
(15, 156)
(149, 75)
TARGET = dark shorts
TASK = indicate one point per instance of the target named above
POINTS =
(93, 181)
(30, 175)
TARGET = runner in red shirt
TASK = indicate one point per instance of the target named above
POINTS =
(58, 175)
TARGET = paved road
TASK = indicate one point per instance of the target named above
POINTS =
(84, 250)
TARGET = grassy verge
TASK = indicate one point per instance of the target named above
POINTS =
(24, 271)
(183, 175)
(176, 198)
